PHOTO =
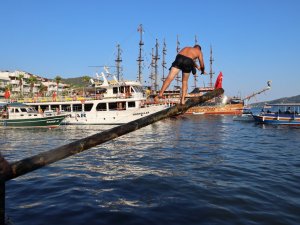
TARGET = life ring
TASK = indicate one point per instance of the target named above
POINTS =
(82, 101)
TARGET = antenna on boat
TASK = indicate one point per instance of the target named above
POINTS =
(118, 62)
(164, 53)
(140, 59)
(105, 67)
(196, 40)
(211, 73)
(177, 45)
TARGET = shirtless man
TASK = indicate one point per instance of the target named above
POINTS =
(185, 62)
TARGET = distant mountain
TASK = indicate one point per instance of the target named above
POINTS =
(293, 99)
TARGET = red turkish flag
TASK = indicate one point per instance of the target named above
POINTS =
(219, 80)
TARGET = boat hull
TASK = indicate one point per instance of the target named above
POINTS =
(41, 122)
(114, 117)
(282, 120)
(230, 109)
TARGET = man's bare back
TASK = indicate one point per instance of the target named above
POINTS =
(194, 53)
(190, 52)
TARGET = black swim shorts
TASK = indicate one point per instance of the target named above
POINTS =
(184, 63)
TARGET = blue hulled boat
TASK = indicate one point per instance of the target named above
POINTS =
(285, 114)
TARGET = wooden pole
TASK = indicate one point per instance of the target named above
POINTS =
(4, 169)
(32, 163)
(2, 201)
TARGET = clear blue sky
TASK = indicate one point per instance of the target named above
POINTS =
(253, 40)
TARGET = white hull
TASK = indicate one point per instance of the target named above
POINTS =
(94, 115)
(111, 117)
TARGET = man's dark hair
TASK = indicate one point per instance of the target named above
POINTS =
(197, 46)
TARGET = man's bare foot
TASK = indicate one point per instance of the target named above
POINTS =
(156, 99)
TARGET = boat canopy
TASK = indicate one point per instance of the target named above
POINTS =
(284, 104)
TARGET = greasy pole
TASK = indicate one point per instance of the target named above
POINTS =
(32, 163)
(4, 169)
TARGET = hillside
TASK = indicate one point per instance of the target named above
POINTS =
(76, 82)
(293, 99)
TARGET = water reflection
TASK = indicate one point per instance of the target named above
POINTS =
(167, 171)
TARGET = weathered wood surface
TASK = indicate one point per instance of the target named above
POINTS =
(32, 163)
(4, 169)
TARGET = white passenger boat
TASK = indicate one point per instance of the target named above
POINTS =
(114, 103)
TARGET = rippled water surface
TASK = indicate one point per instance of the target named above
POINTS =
(190, 170)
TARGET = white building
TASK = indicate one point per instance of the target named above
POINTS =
(4, 81)
(23, 85)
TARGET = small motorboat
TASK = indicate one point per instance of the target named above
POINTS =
(18, 115)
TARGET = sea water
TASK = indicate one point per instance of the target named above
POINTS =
(191, 170)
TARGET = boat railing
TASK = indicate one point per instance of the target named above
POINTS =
(70, 98)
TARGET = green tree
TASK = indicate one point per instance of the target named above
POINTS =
(32, 81)
(57, 79)
(1, 86)
(20, 78)
(85, 80)
(8, 87)
(42, 89)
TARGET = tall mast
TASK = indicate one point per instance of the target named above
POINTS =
(211, 73)
(118, 62)
(177, 50)
(156, 58)
(177, 45)
(140, 59)
(152, 75)
(195, 75)
(164, 53)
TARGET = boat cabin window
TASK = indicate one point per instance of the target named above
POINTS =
(121, 105)
(17, 111)
(115, 90)
(54, 107)
(66, 108)
(88, 107)
(137, 89)
(23, 110)
(31, 110)
(44, 107)
(112, 106)
(36, 107)
(101, 107)
(77, 107)
(131, 104)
